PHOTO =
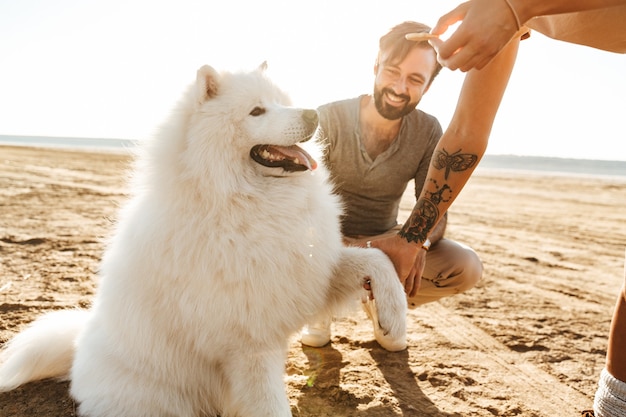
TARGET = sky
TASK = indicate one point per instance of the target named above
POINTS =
(115, 68)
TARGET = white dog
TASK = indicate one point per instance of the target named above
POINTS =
(229, 245)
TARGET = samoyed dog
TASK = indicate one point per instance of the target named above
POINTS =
(229, 244)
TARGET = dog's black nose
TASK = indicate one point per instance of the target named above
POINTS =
(310, 116)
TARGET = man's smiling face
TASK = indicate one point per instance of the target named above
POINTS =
(399, 87)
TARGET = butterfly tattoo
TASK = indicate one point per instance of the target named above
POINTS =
(456, 162)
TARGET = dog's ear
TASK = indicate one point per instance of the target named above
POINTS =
(206, 83)
(262, 67)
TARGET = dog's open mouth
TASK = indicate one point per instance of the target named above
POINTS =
(289, 158)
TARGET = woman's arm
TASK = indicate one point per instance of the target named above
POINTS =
(463, 143)
(527, 9)
(488, 25)
(455, 157)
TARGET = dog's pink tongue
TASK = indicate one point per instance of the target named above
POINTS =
(299, 156)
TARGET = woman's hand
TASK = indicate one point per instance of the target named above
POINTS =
(486, 27)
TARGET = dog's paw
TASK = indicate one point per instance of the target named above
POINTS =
(392, 316)
(388, 309)
(389, 332)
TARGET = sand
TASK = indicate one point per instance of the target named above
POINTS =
(529, 340)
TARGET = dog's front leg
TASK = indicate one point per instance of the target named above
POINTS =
(358, 265)
(255, 377)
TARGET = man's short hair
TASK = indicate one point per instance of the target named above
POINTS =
(396, 47)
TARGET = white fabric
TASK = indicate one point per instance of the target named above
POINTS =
(610, 398)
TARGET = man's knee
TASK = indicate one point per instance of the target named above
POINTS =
(472, 270)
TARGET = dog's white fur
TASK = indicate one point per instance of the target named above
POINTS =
(215, 262)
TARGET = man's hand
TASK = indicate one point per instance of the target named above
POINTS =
(408, 259)
(417, 271)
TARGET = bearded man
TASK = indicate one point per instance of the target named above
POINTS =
(374, 145)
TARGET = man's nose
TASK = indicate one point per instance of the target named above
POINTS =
(400, 85)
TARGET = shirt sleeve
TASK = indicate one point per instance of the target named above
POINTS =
(322, 134)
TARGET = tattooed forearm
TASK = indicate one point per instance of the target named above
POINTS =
(426, 212)
(428, 208)
(421, 221)
(456, 162)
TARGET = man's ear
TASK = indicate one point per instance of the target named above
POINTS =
(206, 83)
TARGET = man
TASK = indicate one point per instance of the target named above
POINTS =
(374, 146)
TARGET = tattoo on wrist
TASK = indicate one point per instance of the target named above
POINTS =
(421, 221)
(453, 162)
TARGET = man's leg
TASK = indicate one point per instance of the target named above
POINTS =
(451, 268)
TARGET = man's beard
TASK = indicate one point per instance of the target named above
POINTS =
(391, 112)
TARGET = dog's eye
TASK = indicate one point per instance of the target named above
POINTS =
(257, 111)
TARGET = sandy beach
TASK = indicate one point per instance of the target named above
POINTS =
(529, 340)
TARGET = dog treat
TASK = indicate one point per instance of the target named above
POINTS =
(421, 36)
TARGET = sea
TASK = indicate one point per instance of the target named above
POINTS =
(538, 164)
